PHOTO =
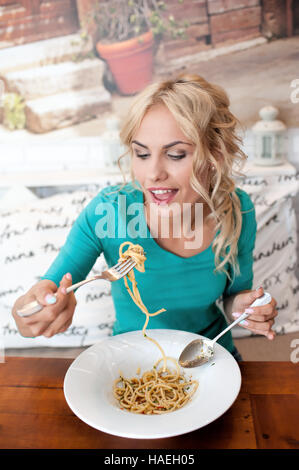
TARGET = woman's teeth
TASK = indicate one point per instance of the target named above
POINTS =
(162, 191)
(163, 195)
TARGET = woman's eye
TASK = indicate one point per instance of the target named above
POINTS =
(141, 155)
(173, 156)
(177, 157)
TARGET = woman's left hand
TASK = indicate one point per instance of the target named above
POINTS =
(261, 319)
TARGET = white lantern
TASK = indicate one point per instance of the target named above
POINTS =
(270, 138)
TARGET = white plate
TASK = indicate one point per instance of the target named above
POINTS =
(89, 380)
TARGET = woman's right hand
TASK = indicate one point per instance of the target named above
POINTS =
(54, 317)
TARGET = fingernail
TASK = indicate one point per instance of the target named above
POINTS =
(63, 290)
(236, 314)
(243, 322)
(68, 276)
(258, 287)
(50, 299)
(249, 310)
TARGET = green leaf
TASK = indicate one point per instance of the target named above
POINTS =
(161, 5)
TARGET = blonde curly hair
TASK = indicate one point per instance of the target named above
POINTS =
(201, 110)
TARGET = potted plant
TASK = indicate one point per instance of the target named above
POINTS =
(127, 35)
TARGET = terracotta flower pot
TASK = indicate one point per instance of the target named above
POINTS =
(130, 62)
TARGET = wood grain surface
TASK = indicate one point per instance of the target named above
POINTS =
(34, 413)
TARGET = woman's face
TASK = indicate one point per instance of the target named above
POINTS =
(162, 160)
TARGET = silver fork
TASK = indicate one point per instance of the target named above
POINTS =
(112, 274)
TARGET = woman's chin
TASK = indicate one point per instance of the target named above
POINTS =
(173, 209)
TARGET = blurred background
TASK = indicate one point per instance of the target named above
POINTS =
(69, 70)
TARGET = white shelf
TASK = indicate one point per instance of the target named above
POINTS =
(58, 178)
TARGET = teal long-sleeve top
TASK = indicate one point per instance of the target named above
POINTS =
(187, 288)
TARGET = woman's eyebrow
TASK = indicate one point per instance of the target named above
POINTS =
(164, 146)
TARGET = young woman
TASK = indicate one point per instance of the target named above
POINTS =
(182, 141)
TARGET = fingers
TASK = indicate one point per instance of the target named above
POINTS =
(267, 331)
(62, 296)
(260, 319)
(59, 306)
(65, 326)
(63, 320)
(259, 327)
(262, 327)
(53, 305)
(63, 310)
(32, 325)
(263, 316)
(264, 312)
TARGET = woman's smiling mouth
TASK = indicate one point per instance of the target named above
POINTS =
(162, 196)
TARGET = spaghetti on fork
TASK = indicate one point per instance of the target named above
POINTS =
(159, 390)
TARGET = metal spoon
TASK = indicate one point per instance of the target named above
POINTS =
(200, 351)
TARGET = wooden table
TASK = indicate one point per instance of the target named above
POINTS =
(35, 415)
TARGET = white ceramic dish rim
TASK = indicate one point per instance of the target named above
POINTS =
(88, 385)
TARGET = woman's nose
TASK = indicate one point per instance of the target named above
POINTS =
(156, 169)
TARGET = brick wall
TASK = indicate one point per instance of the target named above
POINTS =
(195, 12)
(216, 23)
(84, 7)
(296, 17)
(213, 23)
(232, 21)
(274, 18)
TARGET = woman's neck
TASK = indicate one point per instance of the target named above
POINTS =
(179, 223)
